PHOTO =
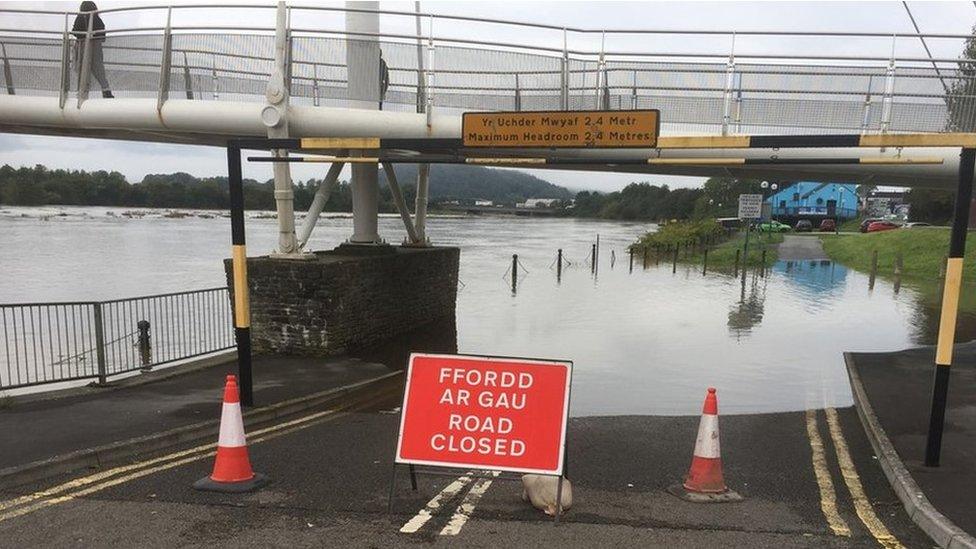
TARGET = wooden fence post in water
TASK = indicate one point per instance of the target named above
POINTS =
(674, 265)
(631, 259)
(874, 269)
(514, 272)
(593, 258)
(705, 261)
(559, 263)
(645, 257)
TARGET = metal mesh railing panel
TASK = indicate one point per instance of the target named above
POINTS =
(35, 64)
(55, 342)
(763, 96)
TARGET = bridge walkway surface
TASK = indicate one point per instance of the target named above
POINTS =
(809, 480)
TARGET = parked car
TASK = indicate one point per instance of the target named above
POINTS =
(864, 224)
(828, 226)
(879, 226)
(804, 226)
(773, 226)
(915, 224)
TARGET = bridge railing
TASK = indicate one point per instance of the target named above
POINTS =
(706, 81)
(43, 343)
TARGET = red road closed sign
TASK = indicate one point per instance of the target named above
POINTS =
(507, 414)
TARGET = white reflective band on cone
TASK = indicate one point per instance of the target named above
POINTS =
(231, 426)
(706, 445)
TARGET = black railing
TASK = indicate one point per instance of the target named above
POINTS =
(56, 342)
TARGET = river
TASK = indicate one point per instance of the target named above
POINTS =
(647, 342)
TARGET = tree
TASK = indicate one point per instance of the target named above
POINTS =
(930, 205)
(961, 96)
(723, 192)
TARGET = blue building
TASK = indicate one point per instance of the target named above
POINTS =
(810, 200)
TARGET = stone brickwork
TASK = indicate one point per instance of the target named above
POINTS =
(346, 298)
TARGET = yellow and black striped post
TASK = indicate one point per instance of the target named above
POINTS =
(950, 307)
(242, 308)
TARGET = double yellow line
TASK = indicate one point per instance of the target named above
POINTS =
(96, 482)
(828, 498)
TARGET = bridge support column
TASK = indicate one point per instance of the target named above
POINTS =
(363, 62)
(365, 204)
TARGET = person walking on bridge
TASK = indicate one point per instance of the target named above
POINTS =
(80, 31)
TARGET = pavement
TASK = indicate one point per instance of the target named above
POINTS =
(796, 247)
(809, 480)
(78, 422)
(898, 386)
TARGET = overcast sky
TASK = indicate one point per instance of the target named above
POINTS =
(137, 159)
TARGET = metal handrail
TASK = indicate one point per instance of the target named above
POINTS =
(62, 341)
(609, 53)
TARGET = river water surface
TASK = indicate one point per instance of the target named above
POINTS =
(646, 342)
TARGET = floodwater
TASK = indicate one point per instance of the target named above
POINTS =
(646, 342)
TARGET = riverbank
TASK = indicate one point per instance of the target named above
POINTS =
(689, 241)
(724, 255)
(922, 250)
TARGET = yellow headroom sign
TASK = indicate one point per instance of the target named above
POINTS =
(562, 129)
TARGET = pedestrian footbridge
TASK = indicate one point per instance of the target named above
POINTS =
(199, 74)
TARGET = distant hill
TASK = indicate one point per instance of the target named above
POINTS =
(458, 182)
(40, 185)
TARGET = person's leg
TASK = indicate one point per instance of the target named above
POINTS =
(98, 67)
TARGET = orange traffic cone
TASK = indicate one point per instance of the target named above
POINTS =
(232, 469)
(705, 481)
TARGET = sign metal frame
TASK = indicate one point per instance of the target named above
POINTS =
(561, 469)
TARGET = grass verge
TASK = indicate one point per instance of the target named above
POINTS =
(722, 256)
(922, 249)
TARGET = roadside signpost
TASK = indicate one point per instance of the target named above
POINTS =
(562, 129)
(750, 207)
(485, 413)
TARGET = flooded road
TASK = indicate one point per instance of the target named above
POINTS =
(646, 342)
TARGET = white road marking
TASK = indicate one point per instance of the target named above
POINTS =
(434, 504)
(464, 511)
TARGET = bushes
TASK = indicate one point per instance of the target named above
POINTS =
(682, 232)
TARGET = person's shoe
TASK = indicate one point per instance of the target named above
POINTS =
(107, 94)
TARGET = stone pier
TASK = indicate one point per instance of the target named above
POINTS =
(347, 298)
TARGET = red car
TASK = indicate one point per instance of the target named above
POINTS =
(879, 226)
(828, 226)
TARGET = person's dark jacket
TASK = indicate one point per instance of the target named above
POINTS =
(80, 27)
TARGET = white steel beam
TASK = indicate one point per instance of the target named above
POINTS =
(401, 204)
(318, 203)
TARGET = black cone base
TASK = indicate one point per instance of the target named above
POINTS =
(696, 497)
(208, 485)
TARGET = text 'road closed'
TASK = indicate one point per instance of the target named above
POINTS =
(503, 413)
